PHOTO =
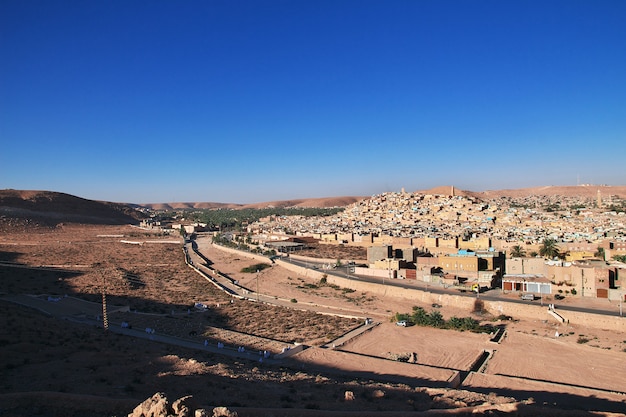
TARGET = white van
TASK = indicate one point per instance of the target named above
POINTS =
(528, 297)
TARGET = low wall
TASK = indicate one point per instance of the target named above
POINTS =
(286, 353)
(326, 260)
(256, 257)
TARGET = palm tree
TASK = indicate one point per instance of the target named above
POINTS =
(517, 252)
(600, 253)
(549, 248)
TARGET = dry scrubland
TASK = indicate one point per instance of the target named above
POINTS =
(72, 363)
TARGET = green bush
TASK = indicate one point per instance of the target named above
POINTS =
(400, 317)
(255, 268)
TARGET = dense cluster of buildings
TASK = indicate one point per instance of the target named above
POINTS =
(457, 240)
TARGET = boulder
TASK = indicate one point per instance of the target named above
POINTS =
(184, 407)
(224, 412)
(155, 406)
(378, 393)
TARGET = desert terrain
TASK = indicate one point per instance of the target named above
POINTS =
(55, 364)
(57, 360)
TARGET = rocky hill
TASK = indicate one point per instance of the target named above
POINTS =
(49, 208)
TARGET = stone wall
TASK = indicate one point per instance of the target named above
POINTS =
(256, 257)
(325, 260)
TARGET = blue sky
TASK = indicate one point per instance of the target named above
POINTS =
(251, 101)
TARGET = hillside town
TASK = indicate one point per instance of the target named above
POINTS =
(470, 243)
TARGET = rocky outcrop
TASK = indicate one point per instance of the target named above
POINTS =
(159, 406)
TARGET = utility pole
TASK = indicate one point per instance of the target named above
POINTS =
(388, 274)
(105, 318)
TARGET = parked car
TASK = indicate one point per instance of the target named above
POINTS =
(402, 323)
(559, 296)
(528, 297)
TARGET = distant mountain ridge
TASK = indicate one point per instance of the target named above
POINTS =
(50, 208)
(586, 191)
(323, 202)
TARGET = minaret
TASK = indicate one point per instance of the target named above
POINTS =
(599, 199)
(452, 190)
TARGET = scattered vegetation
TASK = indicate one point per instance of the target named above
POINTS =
(236, 219)
(619, 258)
(255, 268)
(420, 317)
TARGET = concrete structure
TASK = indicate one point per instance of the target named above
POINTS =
(376, 253)
(526, 283)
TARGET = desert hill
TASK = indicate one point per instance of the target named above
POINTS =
(585, 191)
(322, 202)
(50, 208)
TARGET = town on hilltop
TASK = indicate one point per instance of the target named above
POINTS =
(542, 245)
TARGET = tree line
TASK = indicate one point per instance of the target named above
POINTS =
(236, 219)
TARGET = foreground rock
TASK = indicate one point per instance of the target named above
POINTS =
(158, 406)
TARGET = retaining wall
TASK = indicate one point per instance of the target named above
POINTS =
(256, 257)
(326, 260)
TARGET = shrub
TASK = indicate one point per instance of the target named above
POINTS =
(255, 268)
(400, 317)
(419, 316)
(293, 300)
(582, 340)
(435, 319)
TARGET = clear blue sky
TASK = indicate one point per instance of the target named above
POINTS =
(251, 101)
